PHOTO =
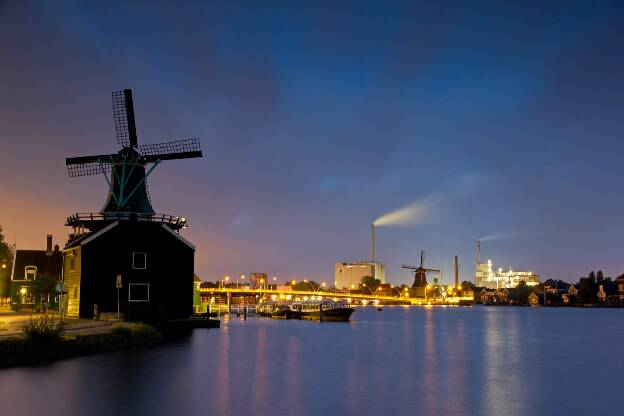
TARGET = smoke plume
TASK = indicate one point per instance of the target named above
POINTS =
(414, 213)
(421, 211)
(502, 236)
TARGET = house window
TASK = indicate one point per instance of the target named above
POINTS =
(138, 292)
(30, 272)
(139, 260)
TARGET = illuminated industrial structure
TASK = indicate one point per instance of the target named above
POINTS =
(349, 275)
(487, 276)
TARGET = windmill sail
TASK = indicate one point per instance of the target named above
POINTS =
(88, 165)
(127, 170)
(123, 114)
(177, 149)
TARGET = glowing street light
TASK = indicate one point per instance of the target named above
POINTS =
(321, 286)
(397, 290)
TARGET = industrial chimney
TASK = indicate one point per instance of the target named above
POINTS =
(456, 273)
(49, 245)
(373, 243)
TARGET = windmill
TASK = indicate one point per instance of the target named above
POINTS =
(420, 273)
(127, 170)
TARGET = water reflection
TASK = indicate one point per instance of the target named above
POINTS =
(401, 361)
(222, 372)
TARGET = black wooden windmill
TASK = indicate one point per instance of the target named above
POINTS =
(420, 272)
(127, 170)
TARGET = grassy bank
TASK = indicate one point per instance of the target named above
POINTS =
(41, 345)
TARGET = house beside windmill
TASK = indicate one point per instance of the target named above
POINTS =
(34, 275)
(126, 258)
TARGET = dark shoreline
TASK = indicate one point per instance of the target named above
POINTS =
(21, 351)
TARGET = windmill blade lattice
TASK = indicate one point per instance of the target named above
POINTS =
(177, 149)
(123, 114)
(89, 168)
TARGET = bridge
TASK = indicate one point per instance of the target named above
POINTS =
(351, 297)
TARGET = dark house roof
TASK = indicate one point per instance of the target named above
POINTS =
(46, 264)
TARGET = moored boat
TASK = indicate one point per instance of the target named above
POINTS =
(324, 310)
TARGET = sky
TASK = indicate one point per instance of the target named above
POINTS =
(498, 119)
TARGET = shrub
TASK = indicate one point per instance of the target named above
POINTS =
(121, 331)
(147, 333)
(141, 333)
(43, 329)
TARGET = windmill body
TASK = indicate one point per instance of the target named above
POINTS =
(126, 248)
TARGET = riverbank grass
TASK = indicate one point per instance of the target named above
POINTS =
(43, 340)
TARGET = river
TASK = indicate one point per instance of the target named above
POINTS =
(402, 361)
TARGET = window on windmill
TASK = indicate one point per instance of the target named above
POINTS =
(139, 260)
(138, 292)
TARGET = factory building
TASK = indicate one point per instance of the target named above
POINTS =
(487, 277)
(349, 275)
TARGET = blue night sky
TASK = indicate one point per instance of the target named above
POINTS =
(316, 118)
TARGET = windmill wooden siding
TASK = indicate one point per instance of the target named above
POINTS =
(71, 272)
(102, 255)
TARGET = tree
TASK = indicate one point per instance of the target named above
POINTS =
(370, 282)
(44, 287)
(587, 290)
(306, 285)
(6, 265)
(522, 293)
(465, 285)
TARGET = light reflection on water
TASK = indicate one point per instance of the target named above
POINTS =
(401, 361)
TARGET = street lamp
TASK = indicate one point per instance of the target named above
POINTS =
(397, 290)
(322, 285)
(371, 290)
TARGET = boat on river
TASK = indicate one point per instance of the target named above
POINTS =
(313, 310)
(324, 310)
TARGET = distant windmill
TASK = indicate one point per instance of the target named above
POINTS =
(128, 192)
(420, 272)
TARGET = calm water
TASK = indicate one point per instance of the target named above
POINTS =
(513, 361)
